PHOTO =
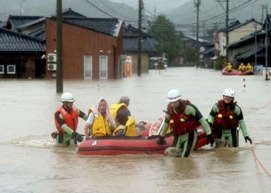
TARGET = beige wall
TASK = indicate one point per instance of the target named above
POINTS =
(144, 62)
(243, 31)
(235, 35)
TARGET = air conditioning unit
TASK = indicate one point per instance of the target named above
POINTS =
(51, 57)
(51, 67)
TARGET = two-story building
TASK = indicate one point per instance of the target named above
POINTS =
(235, 31)
(252, 48)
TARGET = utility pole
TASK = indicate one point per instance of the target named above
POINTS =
(266, 44)
(203, 29)
(263, 6)
(22, 10)
(227, 30)
(197, 4)
(59, 77)
(255, 44)
(139, 38)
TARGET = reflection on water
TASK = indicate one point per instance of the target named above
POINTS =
(30, 162)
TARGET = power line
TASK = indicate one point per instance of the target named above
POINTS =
(114, 11)
(104, 12)
(232, 10)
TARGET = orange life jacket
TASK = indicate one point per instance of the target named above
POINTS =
(225, 118)
(71, 119)
(180, 122)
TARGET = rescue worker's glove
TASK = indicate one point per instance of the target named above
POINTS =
(210, 139)
(161, 141)
(77, 137)
(247, 138)
(54, 134)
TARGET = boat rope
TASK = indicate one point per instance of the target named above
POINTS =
(259, 162)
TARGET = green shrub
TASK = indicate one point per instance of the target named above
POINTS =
(218, 64)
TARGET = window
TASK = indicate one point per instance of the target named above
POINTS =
(11, 69)
(103, 67)
(2, 69)
(87, 66)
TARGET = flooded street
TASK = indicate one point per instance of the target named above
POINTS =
(29, 161)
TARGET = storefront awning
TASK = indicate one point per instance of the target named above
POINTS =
(214, 58)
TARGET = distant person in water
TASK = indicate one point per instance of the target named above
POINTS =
(249, 67)
(229, 67)
(242, 67)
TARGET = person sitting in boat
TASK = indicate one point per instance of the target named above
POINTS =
(249, 67)
(100, 122)
(229, 67)
(66, 121)
(133, 129)
(125, 125)
(120, 121)
(242, 67)
(121, 106)
(183, 117)
(225, 117)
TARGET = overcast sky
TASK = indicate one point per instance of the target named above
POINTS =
(161, 5)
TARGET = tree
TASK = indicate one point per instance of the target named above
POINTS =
(164, 32)
(190, 54)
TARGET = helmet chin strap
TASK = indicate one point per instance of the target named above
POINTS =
(65, 104)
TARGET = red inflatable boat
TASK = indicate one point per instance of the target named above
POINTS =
(237, 72)
(132, 145)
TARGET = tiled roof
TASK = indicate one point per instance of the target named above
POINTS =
(251, 53)
(18, 20)
(130, 40)
(210, 50)
(130, 44)
(110, 26)
(16, 42)
(237, 24)
(2, 24)
(39, 34)
(200, 39)
(33, 22)
(231, 26)
(131, 31)
(70, 12)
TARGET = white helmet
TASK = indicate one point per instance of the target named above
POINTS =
(173, 95)
(229, 93)
(67, 97)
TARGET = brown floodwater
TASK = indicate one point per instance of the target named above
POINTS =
(30, 162)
